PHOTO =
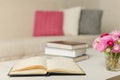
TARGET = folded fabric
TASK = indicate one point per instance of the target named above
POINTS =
(90, 22)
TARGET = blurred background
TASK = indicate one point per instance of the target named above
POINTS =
(17, 16)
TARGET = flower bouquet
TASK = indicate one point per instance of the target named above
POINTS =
(109, 43)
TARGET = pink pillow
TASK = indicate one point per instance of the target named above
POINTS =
(48, 23)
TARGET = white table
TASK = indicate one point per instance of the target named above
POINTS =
(94, 68)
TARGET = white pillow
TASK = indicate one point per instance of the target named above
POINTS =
(71, 21)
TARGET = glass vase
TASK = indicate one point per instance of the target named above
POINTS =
(113, 62)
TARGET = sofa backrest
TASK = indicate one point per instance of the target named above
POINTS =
(17, 16)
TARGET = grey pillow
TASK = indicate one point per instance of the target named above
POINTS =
(90, 21)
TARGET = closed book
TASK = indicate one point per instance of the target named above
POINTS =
(75, 59)
(67, 45)
(65, 52)
(81, 58)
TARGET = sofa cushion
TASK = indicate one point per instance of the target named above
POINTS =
(71, 21)
(48, 23)
(90, 22)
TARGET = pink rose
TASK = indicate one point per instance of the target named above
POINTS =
(110, 43)
(105, 39)
(115, 38)
(95, 43)
(108, 40)
(105, 34)
(116, 48)
(101, 46)
(116, 33)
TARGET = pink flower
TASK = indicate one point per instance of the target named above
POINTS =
(116, 33)
(106, 39)
(105, 34)
(116, 48)
(95, 43)
(110, 43)
(101, 46)
(115, 38)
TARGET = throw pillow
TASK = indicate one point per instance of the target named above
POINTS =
(71, 21)
(90, 22)
(48, 23)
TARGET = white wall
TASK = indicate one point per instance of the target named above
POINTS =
(90, 4)
(17, 16)
(111, 17)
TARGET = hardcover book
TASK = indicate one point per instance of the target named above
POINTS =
(41, 66)
(67, 45)
(64, 52)
(81, 58)
(75, 59)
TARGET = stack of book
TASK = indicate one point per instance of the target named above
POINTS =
(74, 50)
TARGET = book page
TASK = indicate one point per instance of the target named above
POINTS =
(30, 63)
(63, 65)
(28, 72)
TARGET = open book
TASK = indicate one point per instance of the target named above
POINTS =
(43, 66)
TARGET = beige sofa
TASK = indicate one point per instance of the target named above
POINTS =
(26, 47)
(16, 27)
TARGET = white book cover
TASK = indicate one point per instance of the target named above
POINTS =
(75, 59)
(81, 58)
(64, 52)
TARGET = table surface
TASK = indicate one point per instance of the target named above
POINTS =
(94, 68)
